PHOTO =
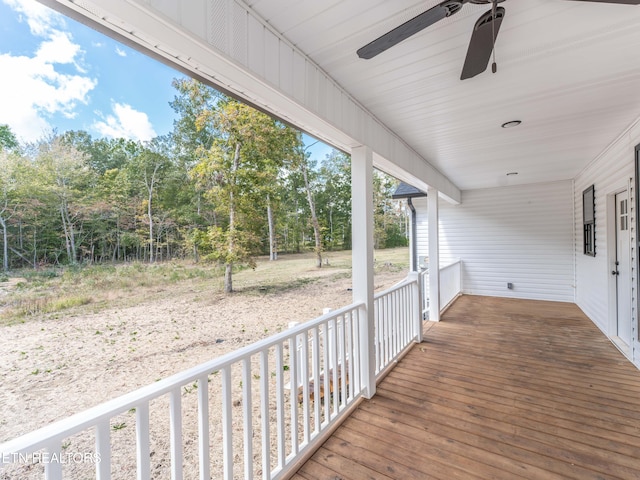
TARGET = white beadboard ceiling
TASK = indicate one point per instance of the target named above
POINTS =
(569, 70)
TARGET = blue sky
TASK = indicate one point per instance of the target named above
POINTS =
(57, 74)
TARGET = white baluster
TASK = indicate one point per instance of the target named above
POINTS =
(247, 418)
(103, 450)
(175, 430)
(204, 453)
(142, 441)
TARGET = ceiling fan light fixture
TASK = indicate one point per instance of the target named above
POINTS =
(511, 123)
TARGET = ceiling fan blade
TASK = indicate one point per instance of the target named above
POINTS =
(443, 10)
(623, 2)
(481, 44)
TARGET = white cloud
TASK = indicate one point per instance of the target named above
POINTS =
(121, 52)
(32, 88)
(41, 19)
(58, 49)
(126, 122)
(35, 90)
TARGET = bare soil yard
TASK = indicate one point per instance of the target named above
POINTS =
(57, 364)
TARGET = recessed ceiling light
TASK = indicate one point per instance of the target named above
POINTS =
(512, 123)
(511, 174)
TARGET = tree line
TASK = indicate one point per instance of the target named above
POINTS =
(227, 184)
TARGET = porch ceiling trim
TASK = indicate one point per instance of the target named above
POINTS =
(226, 43)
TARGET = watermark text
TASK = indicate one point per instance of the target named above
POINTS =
(50, 457)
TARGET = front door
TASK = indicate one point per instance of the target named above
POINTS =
(622, 269)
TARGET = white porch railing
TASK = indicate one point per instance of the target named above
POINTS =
(268, 437)
(248, 414)
(424, 291)
(450, 282)
(450, 286)
(397, 321)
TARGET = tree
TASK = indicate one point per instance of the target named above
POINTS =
(102, 154)
(67, 178)
(236, 171)
(388, 218)
(152, 163)
(190, 133)
(273, 243)
(190, 138)
(8, 186)
(8, 140)
(334, 200)
(302, 163)
(278, 147)
(294, 200)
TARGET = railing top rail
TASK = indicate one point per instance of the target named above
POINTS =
(455, 262)
(41, 438)
(398, 286)
(425, 271)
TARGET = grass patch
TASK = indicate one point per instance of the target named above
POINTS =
(49, 291)
(55, 290)
(25, 307)
(278, 286)
(68, 302)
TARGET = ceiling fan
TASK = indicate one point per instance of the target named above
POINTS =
(483, 37)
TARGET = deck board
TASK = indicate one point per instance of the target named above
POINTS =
(499, 389)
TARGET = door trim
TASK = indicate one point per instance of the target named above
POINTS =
(612, 324)
(612, 246)
(635, 250)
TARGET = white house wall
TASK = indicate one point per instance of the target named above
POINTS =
(611, 172)
(519, 234)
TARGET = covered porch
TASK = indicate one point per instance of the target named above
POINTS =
(501, 388)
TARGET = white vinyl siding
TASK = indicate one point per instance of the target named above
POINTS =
(519, 234)
(611, 172)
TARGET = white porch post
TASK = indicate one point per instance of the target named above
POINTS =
(362, 258)
(434, 255)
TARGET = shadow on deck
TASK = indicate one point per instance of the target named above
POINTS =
(499, 389)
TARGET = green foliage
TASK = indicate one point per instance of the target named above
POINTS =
(46, 274)
(395, 236)
(237, 173)
(388, 215)
(8, 140)
(31, 306)
(219, 240)
(334, 201)
(201, 193)
(118, 426)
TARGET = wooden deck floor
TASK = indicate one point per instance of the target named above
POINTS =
(500, 389)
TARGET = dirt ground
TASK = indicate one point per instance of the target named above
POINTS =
(52, 368)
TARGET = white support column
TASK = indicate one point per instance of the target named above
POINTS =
(362, 258)
(434, 256)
